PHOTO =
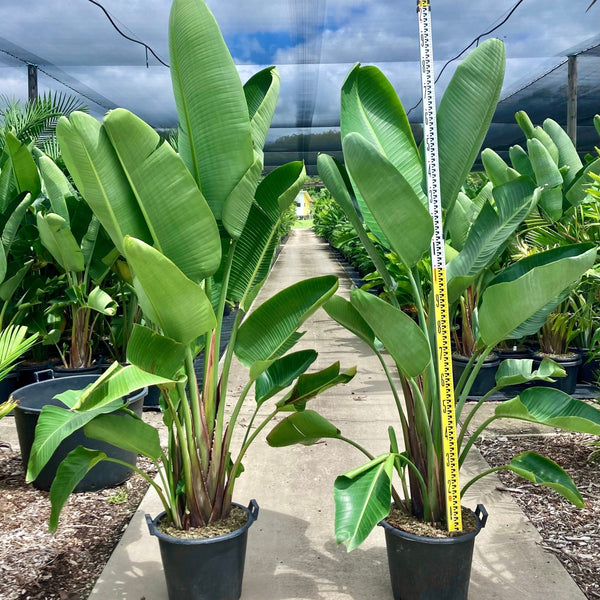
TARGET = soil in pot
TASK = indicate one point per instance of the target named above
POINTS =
(432, 568)
(208, 568)
(32, 398)
(486, 378)
(569, 362)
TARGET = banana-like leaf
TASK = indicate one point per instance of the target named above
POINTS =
(342, 312)
(577, 193)
(400, 335)
(57, 238)
(25, 172)
(262, 92)
(310, 385)
(127, 433)
(215, 137)
(57, 186)
(371, 107)
(255, 247)
(520, 161)
(496, 169)
(362, 499)
(281, 373)
(401, 215)
(492, 229)
(101, 302)
(458, 222)
(116, 383)
(567, 153)
(10, 286)
(152, 352)
(161, 182)
(543, 471)
(337, 180)
(3, 263)
(69, 473)
(552, 407)
(551, 202)
(507, 305)
(465, 114)
(54, 425)
(306, 427)
(98, 175)
(14, 221)
(514, 371)
(171, 300)
(546, 170)
(268, 331)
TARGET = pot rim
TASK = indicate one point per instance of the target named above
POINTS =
(251, 509)
(22, 406)
(481, 516)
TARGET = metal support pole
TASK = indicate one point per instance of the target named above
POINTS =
(572, 100)
(32, 82)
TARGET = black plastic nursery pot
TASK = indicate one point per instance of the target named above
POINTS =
(424, 568)
(570, 363)
(32, 398)
(589, 370)
(485, 379)
(204, 569)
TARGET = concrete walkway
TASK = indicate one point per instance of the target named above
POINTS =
(291, 548)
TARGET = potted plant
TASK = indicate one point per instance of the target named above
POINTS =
(383, 175)
(198, 231)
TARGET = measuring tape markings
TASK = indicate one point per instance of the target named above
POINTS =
(438, 265)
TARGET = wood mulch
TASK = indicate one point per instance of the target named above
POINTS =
(572, 534)
(36, 565)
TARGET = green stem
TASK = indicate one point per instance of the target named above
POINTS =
(235, 414)
(479, 404)
(357, 446)
(195, 402)
(473, 439)
(471, 379)
(478, 477)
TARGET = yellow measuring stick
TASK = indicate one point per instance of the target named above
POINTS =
(438, 268)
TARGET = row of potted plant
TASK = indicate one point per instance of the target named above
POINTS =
(196, 230)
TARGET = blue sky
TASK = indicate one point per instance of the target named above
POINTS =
(76, 38)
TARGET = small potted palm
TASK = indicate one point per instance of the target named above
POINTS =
(198, 230)
(403, 489)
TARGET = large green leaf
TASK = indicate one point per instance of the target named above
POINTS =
(126, 432)
(465, 114)
(306, 427)
(310, 385)
(336, 178)
(577, 193)
(57, 238)
(268, 331)
(54, 425)
(101, 302)
(171, 300)
(262, 91)
(13, 223)
(98, 175)
(399, 334)
(496, 169)
(150, 351)
(69, 473)
(514, 371)
(115, 383)
(24, 170)
(371, 107)
(492, 228)
(552, 407)
(567, 153)
(362, 499)
(401, 215)
(255, 247)
(543, 471)
(57, 186)
(161, 182)
(342, 312)
(507, 305)
(215, 138)
(281, 373)
(520, 161)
